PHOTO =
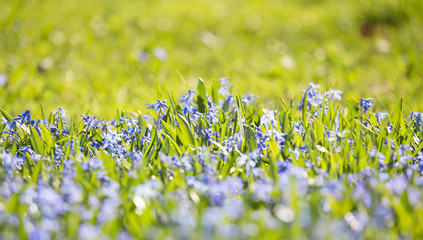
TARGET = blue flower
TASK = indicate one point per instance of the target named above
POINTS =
(334, 94)
(60, 113)
(26, 149)
(211, 116)
(260, 136)
(217, 193)
(268, 118)
(249, 98)
(224, 81)
(366, 104)
(24, 117)
(332, 135)
(312, 85)
(279, 137)
(380, 116)
(145, 140)
(11, 128)
(160, 53)
(189, 109)
(261, 146)
(314, 97)
(211, 136)
(224, 91)
(230, 100)
(143, 56)
(38, 233)
(417, 117)
(189, 97)
(58, 153)
(233, 142)
(298, 128)
(111, 139)
(3, 79)
(160, 106)
(244, 160)
(90, 122)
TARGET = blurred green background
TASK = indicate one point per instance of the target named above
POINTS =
(104, 55)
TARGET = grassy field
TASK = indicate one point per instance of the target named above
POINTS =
(100, 55)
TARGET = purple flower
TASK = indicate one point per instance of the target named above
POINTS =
(24, 117)
(143, 56)
(380, 116)
(26, 149)
(111, 139)
(224, 91)
(90, 122)
(249, 98)
(60, 113)
(314, 97)
(3, 79)
(160, 53)
(224, 81)
(366, 104)
(159, 106)
(211, 136)
(268, 118)
(230, 100)
(417, 117)
(38, 234)
(244, 160)
(145, 139)
(298, 128)
(189, 97)
(334, 94)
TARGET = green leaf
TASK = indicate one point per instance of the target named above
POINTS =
(201, 96)
(175, 145)
(145, 158)
(110, 165)
(42, 112)
(318, 130)
(250, 142)
(304, 110)
(36, 142)
(215, 95)
(399, 125)
(220, 147)
(2, 126)
(172, 102)
(184, 132)
(47, 136)
(169, 129)
(273, 172)
(227, 168)
(6, 115)
(141, 122)
(13, 204)
(224, 129)
(159, 89)
(240, 113)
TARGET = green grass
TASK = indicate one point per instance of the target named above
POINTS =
(84, 55)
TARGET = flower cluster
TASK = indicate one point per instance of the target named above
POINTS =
(229, 168)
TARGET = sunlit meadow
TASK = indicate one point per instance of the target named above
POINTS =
(211, 119)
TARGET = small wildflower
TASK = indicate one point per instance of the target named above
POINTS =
(366, 104)
(3, 79)
(334, 94)
(160, 106)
